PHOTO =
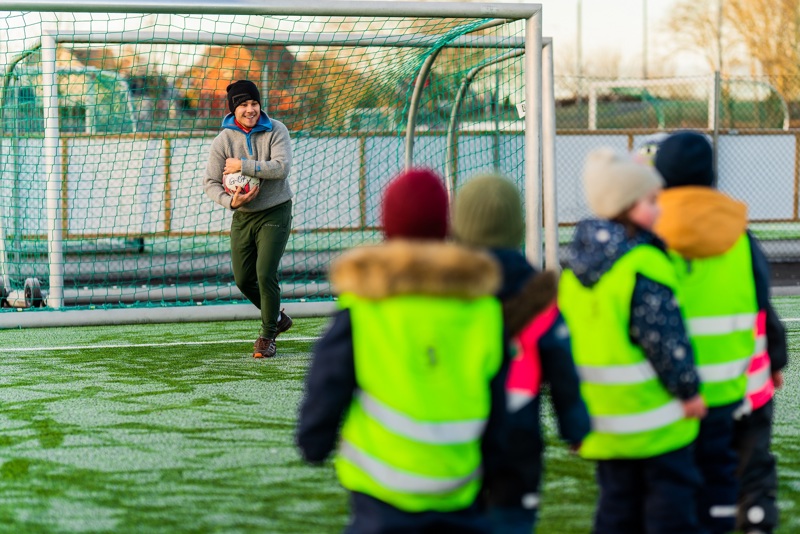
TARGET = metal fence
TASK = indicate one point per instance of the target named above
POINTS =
(670, 103)
(753, 123)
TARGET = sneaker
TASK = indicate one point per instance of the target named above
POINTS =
(284, 323)
(264, 348)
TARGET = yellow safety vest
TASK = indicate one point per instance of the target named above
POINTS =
(633, 415)
(718, 297)
(412, 436)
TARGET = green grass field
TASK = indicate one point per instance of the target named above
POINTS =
(176, 428)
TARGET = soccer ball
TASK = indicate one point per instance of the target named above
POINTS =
(646, 151)
(236, 179)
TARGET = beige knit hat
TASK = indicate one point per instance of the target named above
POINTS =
(613, 182)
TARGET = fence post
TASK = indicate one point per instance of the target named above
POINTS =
(592, 107)
(716, 99)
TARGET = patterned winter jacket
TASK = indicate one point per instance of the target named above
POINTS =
(656, 323)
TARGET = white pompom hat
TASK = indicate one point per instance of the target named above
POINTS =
(614, 182)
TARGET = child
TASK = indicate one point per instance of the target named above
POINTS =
(487, 213)
(412, 370)
(724, 280)
(633, 355)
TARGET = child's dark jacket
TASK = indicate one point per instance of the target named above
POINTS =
(528, 297)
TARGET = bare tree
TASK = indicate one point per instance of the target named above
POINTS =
(694, 27)
(603, 63)
(770, 30)
(767, 31)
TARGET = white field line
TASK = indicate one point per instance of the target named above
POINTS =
(176, 344)
(184, 343)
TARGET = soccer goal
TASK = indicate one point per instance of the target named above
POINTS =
(107, 112)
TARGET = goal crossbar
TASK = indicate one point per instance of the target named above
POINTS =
(284, 7)
(284, 38)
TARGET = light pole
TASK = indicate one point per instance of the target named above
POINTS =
(579, 52)
(719, 36)
(644, 40)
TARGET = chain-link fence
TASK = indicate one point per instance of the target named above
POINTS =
(754, 124)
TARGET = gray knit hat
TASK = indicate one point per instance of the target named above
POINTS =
(488, 213)
(613, 182)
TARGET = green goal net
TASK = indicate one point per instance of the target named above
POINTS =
(139, 97)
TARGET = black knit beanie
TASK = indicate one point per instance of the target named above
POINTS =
(685, 158)
(242, 91)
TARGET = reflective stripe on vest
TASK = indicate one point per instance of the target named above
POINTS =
(617, 374)
(412, 435)
(515, 401)
(722, 511)
(756, 381)
(760, 387)
(718, 297)
(633, 415)
(721, 372)
(402, 481)
(718, 326)
(629, 374)
(721, 325)
(640, 422)
(426, 432)
(639, 372)
(761, 344)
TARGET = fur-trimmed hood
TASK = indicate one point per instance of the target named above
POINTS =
(403, 267)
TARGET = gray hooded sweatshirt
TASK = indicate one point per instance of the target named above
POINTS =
(266, 153)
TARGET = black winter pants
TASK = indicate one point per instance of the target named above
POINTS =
(371, 516)
(258, 240)
(649, 495)
(717, 460)
(757, 509)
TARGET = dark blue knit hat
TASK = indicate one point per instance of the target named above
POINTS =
(685, 158)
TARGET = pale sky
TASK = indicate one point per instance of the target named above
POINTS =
(617, 26)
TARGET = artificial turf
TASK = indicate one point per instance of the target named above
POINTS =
(176, 428)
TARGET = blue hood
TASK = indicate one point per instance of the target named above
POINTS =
(598, 244)
(263, 124)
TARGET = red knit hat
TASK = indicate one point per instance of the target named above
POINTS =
(415, 206)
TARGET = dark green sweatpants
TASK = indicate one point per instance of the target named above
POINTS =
(258, 240)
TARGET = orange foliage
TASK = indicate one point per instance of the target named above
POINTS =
(207, 80)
